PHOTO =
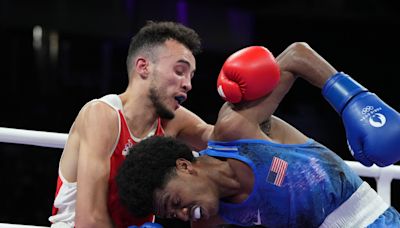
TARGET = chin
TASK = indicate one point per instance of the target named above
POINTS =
(166, 114)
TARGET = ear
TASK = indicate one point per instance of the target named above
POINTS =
(142, 66)
(185, 166)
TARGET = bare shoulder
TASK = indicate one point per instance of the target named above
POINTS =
(96, 112)
(97, 123)
(92, 135)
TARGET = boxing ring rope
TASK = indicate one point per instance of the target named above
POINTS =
(31, 137)
(383, 176)
(8, 225)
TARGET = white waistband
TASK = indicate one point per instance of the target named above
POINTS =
(362, 208)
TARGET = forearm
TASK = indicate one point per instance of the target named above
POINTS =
(253, 112)
(270, 103)
(299, 59)
(189, 128)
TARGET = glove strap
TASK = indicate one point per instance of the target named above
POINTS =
(339, 89)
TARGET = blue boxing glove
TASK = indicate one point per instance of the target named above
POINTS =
(147, 225)
(372, 126)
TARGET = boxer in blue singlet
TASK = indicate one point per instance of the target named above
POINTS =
(250, 175)
(308, 184)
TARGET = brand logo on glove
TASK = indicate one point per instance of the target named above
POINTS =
(367, 109)
(221, 91)
(374, 118)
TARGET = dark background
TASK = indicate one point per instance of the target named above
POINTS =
(81, 56)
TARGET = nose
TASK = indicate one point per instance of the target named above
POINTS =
(183, 214)
(187, 84)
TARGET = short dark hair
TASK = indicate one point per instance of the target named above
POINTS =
(149, 166)
(156, 33)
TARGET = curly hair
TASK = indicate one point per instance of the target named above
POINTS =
(149, 166)
(156, 33)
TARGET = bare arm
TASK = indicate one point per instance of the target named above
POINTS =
(189, 128)
(242, 120)
(97, 127)
(300, 59)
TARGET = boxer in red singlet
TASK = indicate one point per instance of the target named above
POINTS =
(160, 65)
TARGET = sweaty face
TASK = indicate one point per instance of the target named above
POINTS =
(186, 197)
(171, 75)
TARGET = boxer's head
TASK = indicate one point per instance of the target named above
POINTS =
(161, 176)
(155, 34)
(162, 54)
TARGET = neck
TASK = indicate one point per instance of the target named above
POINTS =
(222, 175)
(245, 177)
(234, 179)
(139, 112)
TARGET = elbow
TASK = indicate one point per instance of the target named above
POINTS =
(90, 222)
(83, 222)
(299, 47)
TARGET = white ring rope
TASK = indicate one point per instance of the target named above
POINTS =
(31, 137)
(8, 225)
(383, 176)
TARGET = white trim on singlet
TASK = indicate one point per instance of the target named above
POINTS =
(115, 102)
(223, 148)
(151, 133)
(362, 208)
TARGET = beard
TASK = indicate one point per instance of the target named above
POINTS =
(161, 110)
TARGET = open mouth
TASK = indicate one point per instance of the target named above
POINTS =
(180, 99)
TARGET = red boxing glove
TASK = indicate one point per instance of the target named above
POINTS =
(248, 74)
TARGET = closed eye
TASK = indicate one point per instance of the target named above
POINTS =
(180, 73)
(180, 70)
(183, 67)
(176, 202)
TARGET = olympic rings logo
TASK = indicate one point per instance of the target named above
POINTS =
(367, 109)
